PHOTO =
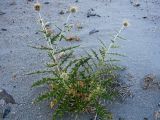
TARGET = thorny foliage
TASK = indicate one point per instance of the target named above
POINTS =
(78, 83)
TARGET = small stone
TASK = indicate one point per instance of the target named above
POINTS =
(159, 104)
(91, 13)
(36, 32)
(137, 5)
(61, 12)
(93, 31)
(145, 118)
(6, 111)
(46, 2)
(6, 97)
(121, 118)
(2, 13)
(144, 17)
(3, 29)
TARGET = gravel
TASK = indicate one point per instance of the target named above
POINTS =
(18, 25)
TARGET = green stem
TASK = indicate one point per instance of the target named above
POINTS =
(114, 39)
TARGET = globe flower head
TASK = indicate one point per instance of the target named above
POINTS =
(73, 9)
(126, 23)
(37, 6)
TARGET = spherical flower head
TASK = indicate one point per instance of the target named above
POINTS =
(126, 23)
(73, 9)
(37, 6)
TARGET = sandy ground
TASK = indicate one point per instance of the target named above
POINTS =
(18, 29)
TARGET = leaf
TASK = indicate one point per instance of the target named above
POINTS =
(115, 46)
(80, 63)
(103, 53)
(50, 54)
(41, 47)
(43, 81)
(66, 49)
(66, 57)
(112, 60)
(103, 44)
(40, 72)
(70, 64)
(95, 54)
(101, 111)
(121, 38)
(58, 28)
(44, 96)
(93, 61)
(55, 38)
(117, 54)
(51, 64)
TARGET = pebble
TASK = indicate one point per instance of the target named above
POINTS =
(2, 13)
(6, 111)
(145, 118)
(137, 5)
(6, 97)
(144, 17)
(61, 12)
(93, 31)
(121, 118)
(3, 29)
(92, 13)
(159, 104)
(46, 2)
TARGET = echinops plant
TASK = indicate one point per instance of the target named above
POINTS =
(77, 84)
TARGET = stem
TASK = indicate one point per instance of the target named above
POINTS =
(49, 40)
(66, 22)
(68, 18)
(115, 38)
(95, 118)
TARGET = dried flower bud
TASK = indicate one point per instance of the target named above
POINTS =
(61, 55)
(47, 25)
(65, 76)
(73, 9)
(72, 38)
(53, 103)
(49, 32)
(37, 6)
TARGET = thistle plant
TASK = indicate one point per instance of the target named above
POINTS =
(77, 84)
